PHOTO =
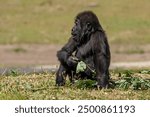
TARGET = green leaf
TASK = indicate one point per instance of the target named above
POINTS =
(81, 67)
(145, 72)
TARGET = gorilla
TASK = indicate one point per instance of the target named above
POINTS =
(88, 43)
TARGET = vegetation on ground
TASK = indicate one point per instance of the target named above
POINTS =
(42, 86)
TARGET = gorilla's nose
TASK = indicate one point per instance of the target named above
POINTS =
(73, 32)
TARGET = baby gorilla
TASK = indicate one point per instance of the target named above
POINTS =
(88, 43)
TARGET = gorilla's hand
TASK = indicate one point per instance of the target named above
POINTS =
(72, 61)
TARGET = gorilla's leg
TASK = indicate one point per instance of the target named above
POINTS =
(61, 73)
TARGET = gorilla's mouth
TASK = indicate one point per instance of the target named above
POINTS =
(74, 34)
(75, 37)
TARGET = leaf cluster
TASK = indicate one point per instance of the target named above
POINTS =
(128, 81)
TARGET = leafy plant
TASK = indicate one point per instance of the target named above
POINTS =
(85, 84)
(145, 72)
(127, 81)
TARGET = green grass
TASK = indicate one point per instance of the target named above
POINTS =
(50, 21)
(42, 86)
(19, 50)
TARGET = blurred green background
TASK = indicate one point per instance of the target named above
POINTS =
(50, 21)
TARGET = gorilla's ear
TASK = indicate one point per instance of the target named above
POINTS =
(88, 26)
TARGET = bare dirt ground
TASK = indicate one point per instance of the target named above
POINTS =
(36, 54)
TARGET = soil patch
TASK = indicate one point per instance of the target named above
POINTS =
(39, 54)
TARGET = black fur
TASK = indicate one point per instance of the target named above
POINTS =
(89, 43)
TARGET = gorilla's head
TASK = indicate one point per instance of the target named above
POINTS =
(85, 24)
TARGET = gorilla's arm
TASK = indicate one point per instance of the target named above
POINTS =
(67, 64)
(64, 55)
(101, 58)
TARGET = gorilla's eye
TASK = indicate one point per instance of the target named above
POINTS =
(88, 24)
(77, 22)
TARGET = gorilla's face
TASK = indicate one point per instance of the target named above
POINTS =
(81, 30)
(76, 31)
